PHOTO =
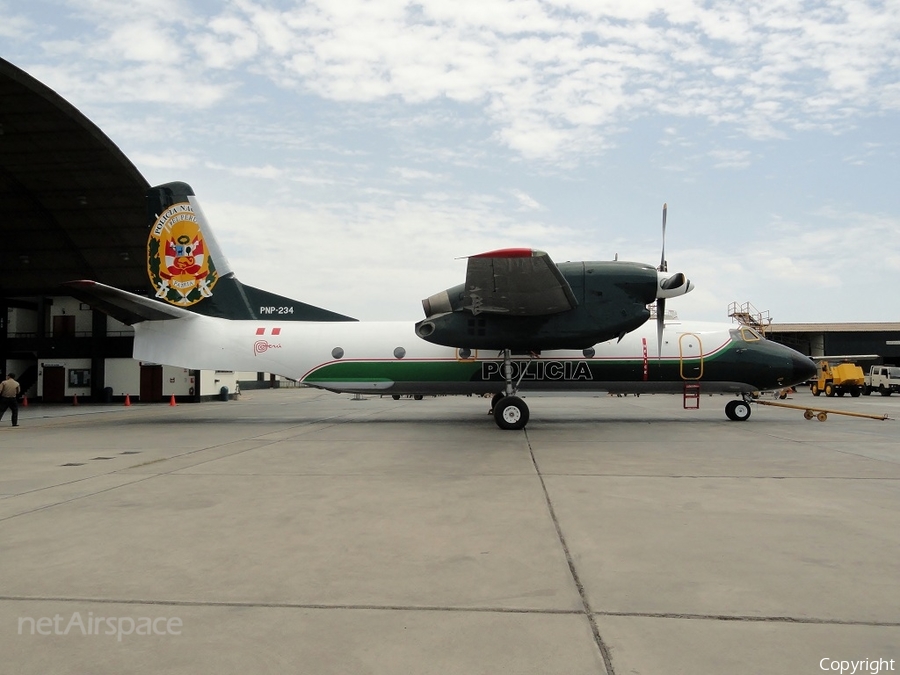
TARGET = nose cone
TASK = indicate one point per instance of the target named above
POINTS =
(803, 367)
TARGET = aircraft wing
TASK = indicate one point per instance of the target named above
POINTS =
(122, 305)
(516, 282)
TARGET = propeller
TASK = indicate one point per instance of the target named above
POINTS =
(663, 266)
(668, 287)
(660, 301)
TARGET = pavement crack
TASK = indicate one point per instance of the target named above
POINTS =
(588, 612)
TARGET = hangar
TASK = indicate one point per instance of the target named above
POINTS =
(73, 207)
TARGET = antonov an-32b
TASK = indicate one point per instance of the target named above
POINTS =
(520, 322)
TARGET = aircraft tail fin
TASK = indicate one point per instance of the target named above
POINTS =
(188, 269)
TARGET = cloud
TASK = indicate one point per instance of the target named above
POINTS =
(527, 203)
(556, 78)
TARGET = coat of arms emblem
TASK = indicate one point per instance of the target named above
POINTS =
(178, 263)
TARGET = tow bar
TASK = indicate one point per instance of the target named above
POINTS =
(820, 414)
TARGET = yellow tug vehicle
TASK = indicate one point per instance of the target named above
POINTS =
(838, 379)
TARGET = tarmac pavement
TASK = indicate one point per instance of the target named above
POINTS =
(301, 531)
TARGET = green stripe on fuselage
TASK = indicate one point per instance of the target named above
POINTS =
(543, 369)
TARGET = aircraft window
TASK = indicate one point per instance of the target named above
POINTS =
(337, 353)
(589, 353)
(399, 352)
(750, 335)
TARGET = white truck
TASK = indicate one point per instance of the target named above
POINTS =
(883, 379)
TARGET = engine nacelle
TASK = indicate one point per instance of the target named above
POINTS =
(611, 297)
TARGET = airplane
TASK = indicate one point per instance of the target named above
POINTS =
(519, 323)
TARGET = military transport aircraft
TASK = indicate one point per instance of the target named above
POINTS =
(520, 322)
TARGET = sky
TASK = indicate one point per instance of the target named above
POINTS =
(351, 153)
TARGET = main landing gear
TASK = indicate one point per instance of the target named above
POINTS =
(509, 411)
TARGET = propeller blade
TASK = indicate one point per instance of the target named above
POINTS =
(660, 325)
(662, 261)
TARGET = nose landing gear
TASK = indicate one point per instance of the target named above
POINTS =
(738, 411)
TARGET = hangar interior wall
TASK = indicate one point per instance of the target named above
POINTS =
(58, 352)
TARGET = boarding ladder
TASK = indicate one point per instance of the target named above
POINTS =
(692, 396)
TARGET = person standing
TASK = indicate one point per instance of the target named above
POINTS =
(9, 392)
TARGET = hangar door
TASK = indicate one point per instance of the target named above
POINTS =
(54, 384)
(151, 384)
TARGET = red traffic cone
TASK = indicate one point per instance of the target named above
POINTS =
(24, 401)
(74, 399)
(172, 401)
(127, 399)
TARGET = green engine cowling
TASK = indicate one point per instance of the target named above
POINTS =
(612, 300)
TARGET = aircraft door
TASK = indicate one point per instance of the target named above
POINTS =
(690, 356)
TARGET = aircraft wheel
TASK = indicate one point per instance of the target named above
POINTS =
(809, 414)
(496, 399)
(511, 413)
(737, 411)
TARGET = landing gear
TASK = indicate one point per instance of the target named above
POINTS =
(496, 399)
(737, 411)
(509, 411)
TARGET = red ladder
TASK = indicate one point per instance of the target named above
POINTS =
(691, 396)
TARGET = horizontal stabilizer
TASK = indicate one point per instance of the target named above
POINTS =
(122, 305)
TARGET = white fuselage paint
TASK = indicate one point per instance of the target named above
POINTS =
(295, 349)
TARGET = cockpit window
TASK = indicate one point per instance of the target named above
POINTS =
(750, 335)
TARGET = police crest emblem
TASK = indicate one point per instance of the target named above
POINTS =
(178, 263)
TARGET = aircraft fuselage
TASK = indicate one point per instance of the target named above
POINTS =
(387, 357)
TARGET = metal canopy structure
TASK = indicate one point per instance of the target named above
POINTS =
(72, 205)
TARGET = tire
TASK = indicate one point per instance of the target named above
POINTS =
(396, 397)
(855, 393)
(511, 413)
(815, 389)
(883, 391)
(867, 391)
(496, 399)
(829, 390)
(417, 397)
(737, 411)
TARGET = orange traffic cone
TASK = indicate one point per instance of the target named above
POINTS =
(24, 401)
(127, 399)
(75, 399)
(172, 401)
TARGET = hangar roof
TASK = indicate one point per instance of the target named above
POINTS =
(72, 204)
(869, 327)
